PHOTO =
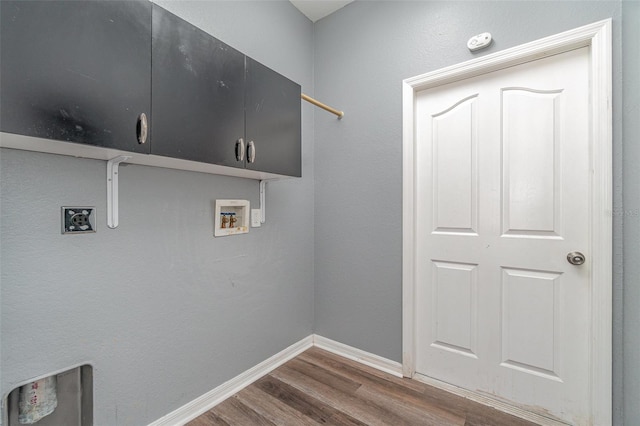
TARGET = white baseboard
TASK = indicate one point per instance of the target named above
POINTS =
(206, 402)
(366, 358)
(212, 398)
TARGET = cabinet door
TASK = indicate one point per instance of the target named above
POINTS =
(273, 121)
(198, 93)
(76, 71)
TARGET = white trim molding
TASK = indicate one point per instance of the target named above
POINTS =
(597, 37)
(355, 354)
(204, 403)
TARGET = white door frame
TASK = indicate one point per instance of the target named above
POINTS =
(598, 37)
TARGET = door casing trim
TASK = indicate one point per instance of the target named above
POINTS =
(597, 37)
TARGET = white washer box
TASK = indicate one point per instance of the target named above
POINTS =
(231, 208)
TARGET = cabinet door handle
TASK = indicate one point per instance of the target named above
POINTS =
(251, 152)
(240, 149)
(142, 128)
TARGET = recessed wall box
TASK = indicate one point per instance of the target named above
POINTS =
(231, 217)
(61, 398)
(78, 220)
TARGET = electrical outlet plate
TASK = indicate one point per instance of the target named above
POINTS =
(78, 220)
(256, 218)
(239, 209)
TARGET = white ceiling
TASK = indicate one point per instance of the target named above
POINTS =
(318, 9)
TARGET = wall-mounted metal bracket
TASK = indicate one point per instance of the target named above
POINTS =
(263, 184)
(112, 190)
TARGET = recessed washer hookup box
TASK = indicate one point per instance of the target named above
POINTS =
(231, 217)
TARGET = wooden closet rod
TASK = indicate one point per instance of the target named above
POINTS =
(309, 99)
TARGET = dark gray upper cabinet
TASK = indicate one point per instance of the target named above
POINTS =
(87, 71)
(76, 71)
(198, 93)
(273, 122)
(214, 105)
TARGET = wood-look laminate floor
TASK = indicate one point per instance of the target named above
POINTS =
(318, 387)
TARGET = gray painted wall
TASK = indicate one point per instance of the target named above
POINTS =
(162, 310)
(362, 53)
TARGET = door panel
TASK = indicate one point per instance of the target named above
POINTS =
(530, 346)
(531, 142)
(502, 183)
(455, 307)
(455, 173)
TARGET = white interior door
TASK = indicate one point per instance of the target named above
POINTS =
(502, 197)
